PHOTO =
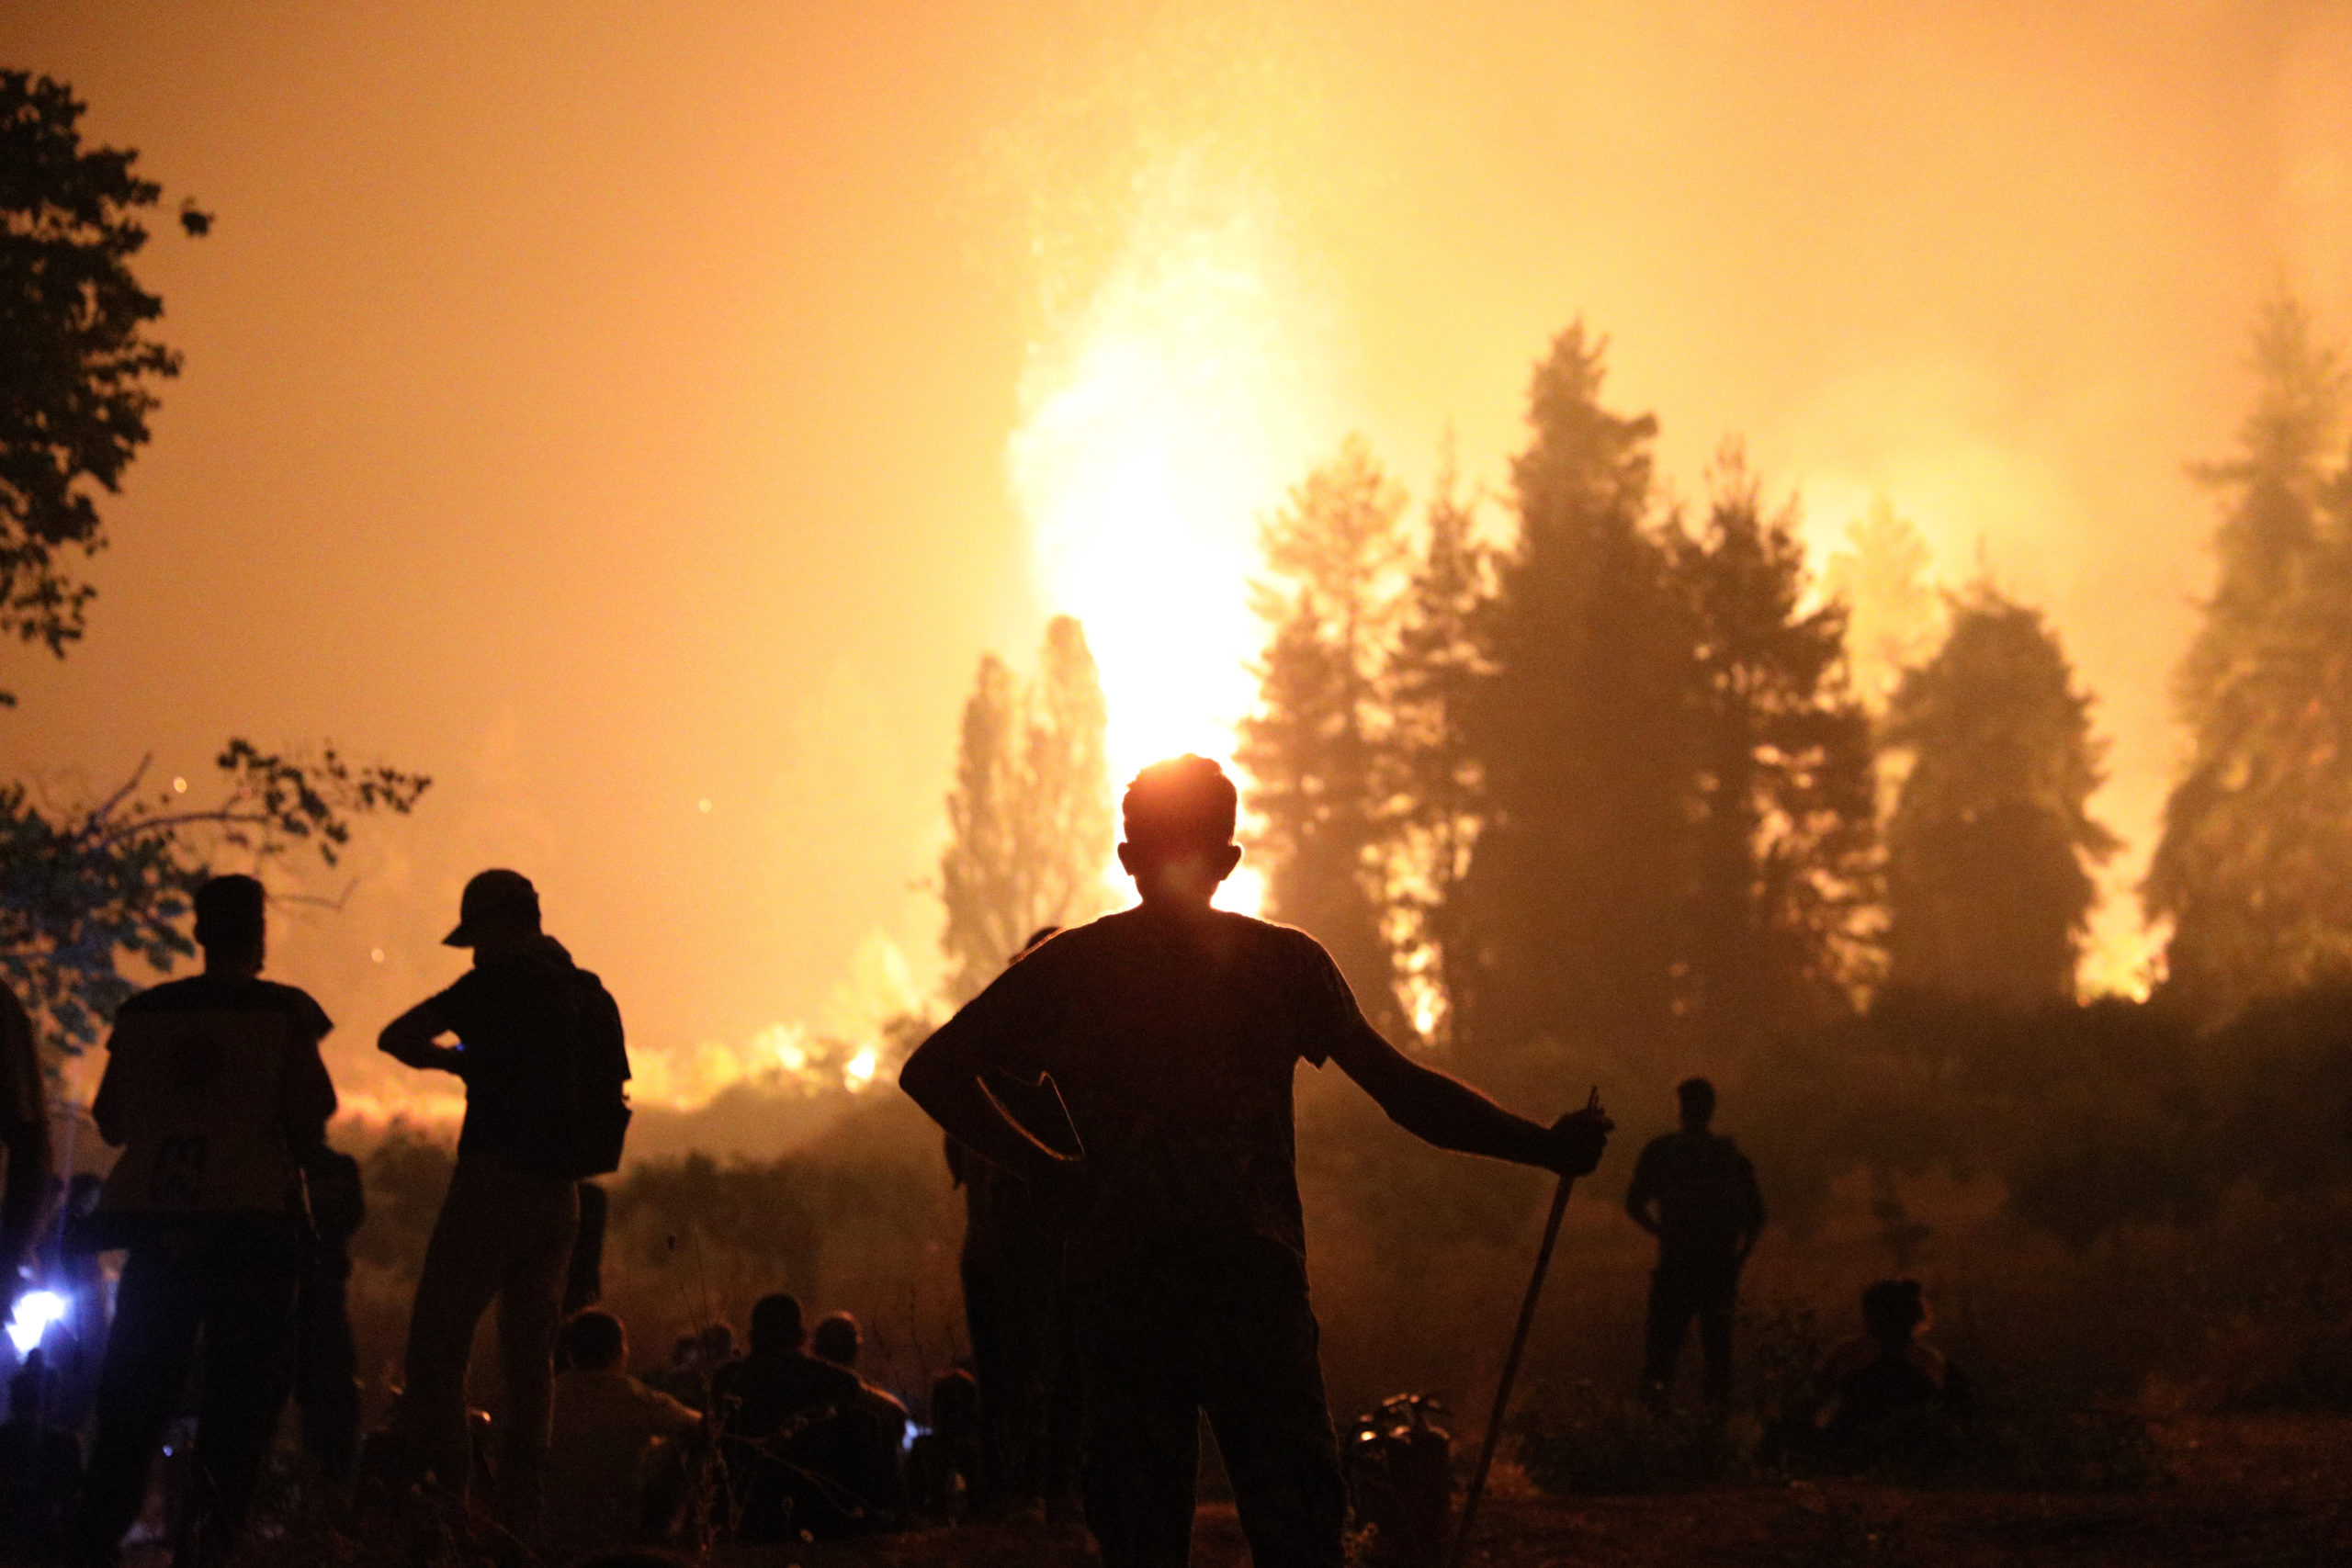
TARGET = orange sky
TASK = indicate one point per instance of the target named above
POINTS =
(608, 408)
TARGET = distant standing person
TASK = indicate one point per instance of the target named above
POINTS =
(1696, 1192)
(1173, 1031)
(539, 1046)
(215, 1092)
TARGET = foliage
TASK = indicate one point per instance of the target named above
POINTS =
(1566, 927)
(1784, 856)
(1030, 818)
(1991, 844)
(1585, 1443)
(1316, 750)
(1893, 615)
(2253, 869)
(77, 365)
(87, 888)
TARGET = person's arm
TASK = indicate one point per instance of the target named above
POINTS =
(414, 1039)
(943, 1077)
(1751, 1230)
(1441, 1110)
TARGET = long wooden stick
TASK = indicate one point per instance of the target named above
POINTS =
(1510, 1368)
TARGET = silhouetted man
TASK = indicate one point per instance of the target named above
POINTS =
(606, 1424)
(882, 1478)
(24, 1139)
(214, 1090)
(1172, 1031)
(1696, 1192)
(326, 1358)
(540, 1050)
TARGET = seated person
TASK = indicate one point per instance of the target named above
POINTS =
(1886, 1371)
(41, 1471)
(883, 1480)
(606, 1425)
(793, 1428)
(943, 1464)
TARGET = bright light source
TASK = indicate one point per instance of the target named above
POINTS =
(861, 1068)
(180, 786)
(702, 805)
(36, 1310)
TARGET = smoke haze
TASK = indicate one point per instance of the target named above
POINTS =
(641, 420)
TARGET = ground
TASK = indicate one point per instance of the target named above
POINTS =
(2269, 1490)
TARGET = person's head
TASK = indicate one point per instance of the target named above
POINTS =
(1894, 1309)
(594, 1341)
(776, 1326)
(836, 1339)
(498, 913)
(1697, 1098)
(231, 925)
(954, 1403)
(715, 1344)
(1178, 818)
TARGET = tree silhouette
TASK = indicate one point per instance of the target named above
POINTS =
(1893, 615)
(1030, 818)
(1783, 862)
(1990, 847)
(2253, 869)
(1569, 913)
(1316, 752)
(86, 886)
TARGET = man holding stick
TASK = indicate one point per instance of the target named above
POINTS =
(1172, 1031)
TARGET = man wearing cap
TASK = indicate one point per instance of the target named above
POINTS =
(525, 1019)
(214, 1091)
(1173, 1031)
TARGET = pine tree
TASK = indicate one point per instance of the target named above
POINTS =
(1314, 751)
(2253, 870)
(1784, 879)
(1435, 781)
(1991, 844)
(1568, 917)
(1893, 615)
(1030, 826)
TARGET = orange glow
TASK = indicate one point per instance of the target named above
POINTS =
(1168, 419)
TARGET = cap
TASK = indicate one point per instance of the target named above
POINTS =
(489, 895)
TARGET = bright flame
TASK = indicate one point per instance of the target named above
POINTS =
(36, 1310)
(1167, 420)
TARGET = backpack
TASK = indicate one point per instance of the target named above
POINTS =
(595, 1081)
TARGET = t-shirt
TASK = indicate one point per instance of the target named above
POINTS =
(213, 1085)
(518, 1020)
(22, 1103)
(603, 1424)
(1706, 1195)
(1173, 1039)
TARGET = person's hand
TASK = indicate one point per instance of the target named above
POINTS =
(1578, 1139)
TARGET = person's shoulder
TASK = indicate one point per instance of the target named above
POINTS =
(185, 994)
(1664, 1146)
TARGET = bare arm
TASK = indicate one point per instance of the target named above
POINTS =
(414, 1039)
(943, 1077)
(1441, 1110)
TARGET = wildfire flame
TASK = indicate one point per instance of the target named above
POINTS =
(1161, 423)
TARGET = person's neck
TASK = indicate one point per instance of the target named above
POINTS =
(246, 968)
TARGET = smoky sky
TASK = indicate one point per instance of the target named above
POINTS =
(606, 409)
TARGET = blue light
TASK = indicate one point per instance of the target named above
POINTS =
(36, 1310)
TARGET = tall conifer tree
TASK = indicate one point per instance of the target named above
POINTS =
(1569, 915)
(1030, 826)
(1315, 750)
(1991, 845)
(2253, 870)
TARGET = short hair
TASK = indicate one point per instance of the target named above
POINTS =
(775, 1321)
(955, 1401)
(836, 1338)
(595, 1340)
(1180, 803)
(1696, 1095)
(1893, 1307)
(230, 912)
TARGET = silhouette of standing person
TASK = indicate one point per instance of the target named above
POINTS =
(1696, 1192)
(24, 1138)
(541, 1054)
(215, 1091)
(1172, 1031)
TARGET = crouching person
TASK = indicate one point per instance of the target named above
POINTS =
(605, 1428)
(213, 1089)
